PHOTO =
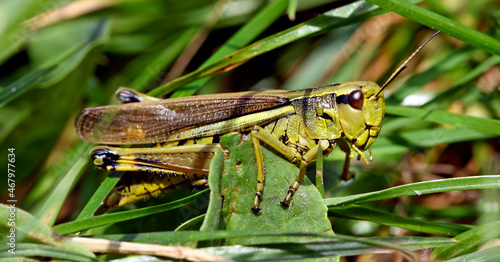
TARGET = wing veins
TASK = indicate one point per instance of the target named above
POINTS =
(152, 122)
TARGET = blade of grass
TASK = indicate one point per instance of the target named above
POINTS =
(317, 64)
(10, 120)
(172, 237)
(292, 9)
(29, 229)
(439, 22)
(154, 63)
(389, 219)
(54, 194)
(192, 224)
(471, 75)
(51, 208)
(24, 250)
(168, 238)
(85, 36)
(292, 251)
(46, 182)
(103, 246)
(468, 241)
(320, 186)
(25, 83)
(420, 188)
(44, 73)
(98, 197)
(398, 143)
(487, 125)
(88, 223)
(437, 70)
(491, 254)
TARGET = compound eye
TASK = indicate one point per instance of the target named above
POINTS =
(356, 99)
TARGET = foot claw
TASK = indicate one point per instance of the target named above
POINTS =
(256, 210)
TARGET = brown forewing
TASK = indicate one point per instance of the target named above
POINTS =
(154, 122)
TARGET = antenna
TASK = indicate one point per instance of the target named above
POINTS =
(403, 66)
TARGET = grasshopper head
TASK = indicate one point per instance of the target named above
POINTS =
(361, 112)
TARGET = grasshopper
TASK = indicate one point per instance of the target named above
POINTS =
(186, 131)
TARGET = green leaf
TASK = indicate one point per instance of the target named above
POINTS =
(306, 213)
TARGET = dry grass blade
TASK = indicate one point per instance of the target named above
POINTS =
(97, 245)
(67, 12)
